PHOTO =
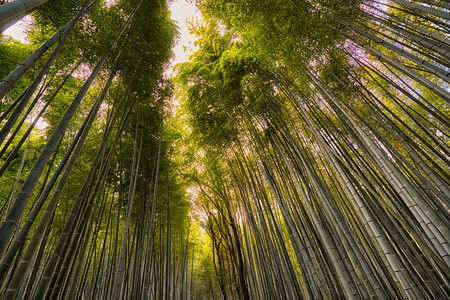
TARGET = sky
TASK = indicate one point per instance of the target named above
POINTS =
(17, 31)
(181, 12)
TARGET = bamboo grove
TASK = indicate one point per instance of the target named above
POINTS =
(301, 153)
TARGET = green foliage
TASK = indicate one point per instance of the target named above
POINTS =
(286, 31)
(214, 80)
(13, 53)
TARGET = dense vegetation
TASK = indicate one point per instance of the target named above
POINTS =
(301, 153)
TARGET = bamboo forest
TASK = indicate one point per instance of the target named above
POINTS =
(301, 151)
